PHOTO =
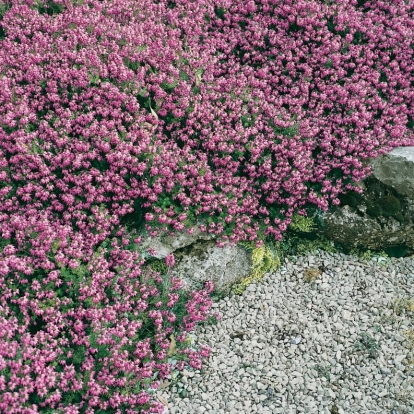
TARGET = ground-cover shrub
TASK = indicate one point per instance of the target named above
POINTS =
(92, 338)
(236, 114)
(293, 97)
(116, 113)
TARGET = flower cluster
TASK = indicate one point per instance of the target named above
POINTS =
(293, 96)
(116, 114)
(91, 337)
(232, 113)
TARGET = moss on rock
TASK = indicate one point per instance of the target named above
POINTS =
(264, 259)
(390, 205)
(373, 209)
(399, 217)
(352, 199)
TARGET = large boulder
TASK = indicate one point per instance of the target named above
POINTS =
(383, 218)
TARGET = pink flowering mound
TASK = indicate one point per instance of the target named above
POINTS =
(117, 114)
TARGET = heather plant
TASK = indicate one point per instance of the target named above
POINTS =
(295, 97)
(238, 123)
(116, 114)
(90, 339)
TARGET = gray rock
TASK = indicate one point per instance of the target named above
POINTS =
(165, 244)
(396, 169)
(198, 258)
(296, 340)
(384, 218)
(203, 261)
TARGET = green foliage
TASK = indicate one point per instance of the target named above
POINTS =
(157, 265)
(4, 243)
(334, 410)
(302, 224)
(289, 132)
(324, 371)
(367, 344)
(265, 259)
(101, 165)
(305, 246)
(373, 209)
(4, 7)
(301, 237)
(72, 281)
(102, 349)
(49, 7)
(401, 250)
(390, 205)
(169, 87)
(135, 219)
(368, 255)
(399, 217)
(248, 120)
(199, 74)
(79, 355)
(220, 12)
(351, 198)
(184, 75)
(359, 38)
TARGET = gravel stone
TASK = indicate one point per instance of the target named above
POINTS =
(338, 341)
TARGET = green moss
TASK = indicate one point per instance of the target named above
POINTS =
(373, 209)
(401, 250)
(352, 199)
(302, 224)
(390, 205)
(306, 246)
(347, 200)
(366, 255)
(399, 217)
(157, 265)
(373, 186)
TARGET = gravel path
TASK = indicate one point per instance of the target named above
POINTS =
(327, 333)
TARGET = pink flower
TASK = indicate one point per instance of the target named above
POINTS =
(100, 133)
(170, 260)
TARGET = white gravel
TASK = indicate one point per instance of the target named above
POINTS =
(341, 343)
